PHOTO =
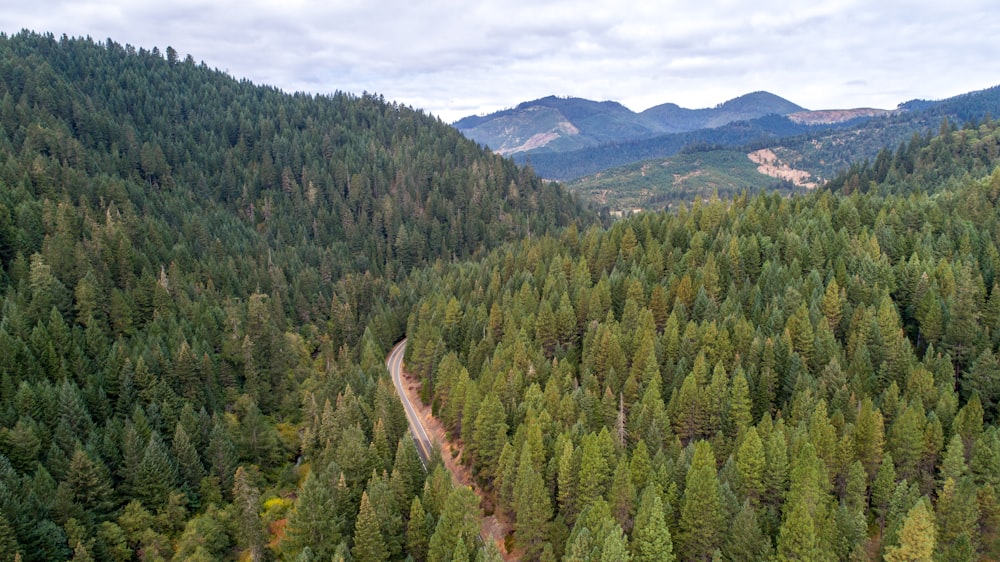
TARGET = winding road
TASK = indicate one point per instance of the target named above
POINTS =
(492, 528)
(394, 362)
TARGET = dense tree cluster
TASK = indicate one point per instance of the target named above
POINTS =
(197, 279)
(813, 378)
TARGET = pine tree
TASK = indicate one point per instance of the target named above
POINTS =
(489, 435)
(745, 540)
(249, 528)
(459, 519)
(701, 506)
(90, 486)
(593, 475)
(189, 466)
(417, 531)
(314, 522)
(652, 541)
(615, 547)
(156, 476)
(8, 541)
(797, 540)
(750, 466)
(532, 508)
(916, 538)
(369, 545)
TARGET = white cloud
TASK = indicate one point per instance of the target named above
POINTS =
(454, 58)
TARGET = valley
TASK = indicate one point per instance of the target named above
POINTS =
(243, 324)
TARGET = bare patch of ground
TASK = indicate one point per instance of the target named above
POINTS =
(538, 140)
(830, 116)
(678, 178)
(769, 164)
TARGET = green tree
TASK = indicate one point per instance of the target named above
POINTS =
(916, 538)
(369, 545)
(702, 517)
(314, 521)
(489, 435)
(797, 538)
(651, 540)
(750, 466)
(418, 531)
(459, 519)
(745, 539)
(249, 528)
(532, 508)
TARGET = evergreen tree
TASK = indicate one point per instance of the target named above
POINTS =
(750, 466)
(417, 531)
(314, 522)
(916, 538)
(459, 519)
(797, 538)
(369, 545)
(249, 529)
(745, 539)
(532, 508)
(701, 512)
(652, 541)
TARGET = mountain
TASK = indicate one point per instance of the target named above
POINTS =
(675, 119)
(821, 143)
(554, 124)
(198, 278)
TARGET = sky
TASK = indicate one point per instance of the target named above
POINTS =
(454, 59)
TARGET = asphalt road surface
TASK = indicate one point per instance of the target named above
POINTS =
(394, 362)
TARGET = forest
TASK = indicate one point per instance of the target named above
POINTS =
(201, 278)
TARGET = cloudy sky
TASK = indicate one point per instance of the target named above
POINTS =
(460, 58)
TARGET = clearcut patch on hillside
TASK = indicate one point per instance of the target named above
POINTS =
(769, 164)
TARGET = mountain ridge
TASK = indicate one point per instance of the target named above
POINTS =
(561, 124)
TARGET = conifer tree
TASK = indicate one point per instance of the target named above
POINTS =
(701, 506)
(750, 466)
(916, 538)
(314, 522)
(532, 508)
(797, 540)
(369, 545)
(745, 540)
(417, 531)
(652, 541)
(489, 435)
(459, 519)
(249, 528)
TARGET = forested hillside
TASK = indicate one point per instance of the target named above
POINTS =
(200, 279)
(804, 378)
(199, 276)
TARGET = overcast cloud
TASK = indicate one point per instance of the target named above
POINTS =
(459, 58)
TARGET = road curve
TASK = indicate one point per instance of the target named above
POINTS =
(394, 362)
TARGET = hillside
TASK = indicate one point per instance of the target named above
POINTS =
(554, 124)
(760, 378)
(678, 179)
(201, 278)
(675, 119)
(197, 279)
(819, 142)
(918, 164)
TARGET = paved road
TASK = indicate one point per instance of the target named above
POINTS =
(394, 362)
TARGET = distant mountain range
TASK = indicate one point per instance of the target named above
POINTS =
(566, 138)
(764, 153)
(554, 124)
